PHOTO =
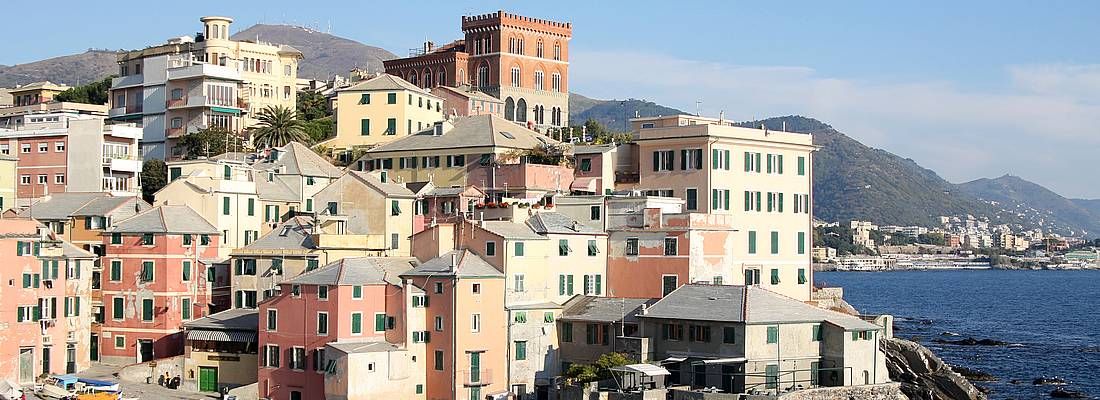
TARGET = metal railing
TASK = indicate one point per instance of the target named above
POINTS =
(479, 377)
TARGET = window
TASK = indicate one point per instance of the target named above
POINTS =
(631, 246)
(565, 285)
(720, 159)
(518, 286)
(117, 307)
(147, 310)
(438, 364)
(752, 276)
(185, 309)
(391, 98)
(691, 159)
(225, 205)
(752, 162)
(25, 148)
(692, 197)
(596, 334)
(801, 242)
(25, 179)
(672, 332)
(563, 247)
(802, 203)
(566, 332)
(699, 333)
(490, 249)
(775, 163)
(475, 288)
(364, 98)
(43, 147)
(186, 270)
(816, 333)
(421, 336)
(802, 276)
(593, 285)
(518, 249)
(801, 165)
(773, 334)
(586, 164)
(775, 242)
(663, 160)
(720, 199)
(43, 179)
(146, 271)
(729, 335)
(116, 271)
(515, 77)
(775, 276)
(120, 342)
(670, 246)
(271, 356)
(555, 82)
(475, 323)
(538, 81)
(438, 287)
(521, 317)
(391, 128)
(771, 376)
(752, 242)
(521, 350)
(592, 248)
(295, 290)
(322, 292)
(59, 147)
(379, 322)
(272, 320)
(668, 284)
(322, 323)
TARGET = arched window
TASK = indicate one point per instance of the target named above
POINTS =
(427, 78)
(555, 82)
(460, 78)
(538, 81)
(557, 51)
(509, 109)
(538, 49)
(515, 77)
(441, 77)
(521, 110)
(486, 45)
(521, 46)
(483, 76)
(412, 77)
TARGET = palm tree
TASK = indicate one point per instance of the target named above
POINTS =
(278, 126)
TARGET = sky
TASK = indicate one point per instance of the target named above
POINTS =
(968, 89)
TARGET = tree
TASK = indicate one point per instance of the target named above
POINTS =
(320, 129)
(210, 142)
(312, 105)
(278, 126)
(601, 135)
(601, 369)
(931, 238)
(154, 175)
(92, 93)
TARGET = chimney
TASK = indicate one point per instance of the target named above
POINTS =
(454, 262)
(644, 310)
(428, 46)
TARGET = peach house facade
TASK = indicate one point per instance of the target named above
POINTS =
(155, 277)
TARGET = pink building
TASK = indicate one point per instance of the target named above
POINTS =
(354, 299)
(438, 205)
(49, 305)
(155, 278)
(464, 101)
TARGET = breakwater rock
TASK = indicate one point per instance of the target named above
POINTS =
(923, 375)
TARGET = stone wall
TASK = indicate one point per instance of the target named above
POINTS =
(885, 391)
(144, 373)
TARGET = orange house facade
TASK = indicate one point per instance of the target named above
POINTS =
(155, 278)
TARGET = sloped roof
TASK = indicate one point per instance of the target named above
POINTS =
(165, 219)
(476, 131)
(71, 251)
(469, 92)
(469, 265)
(358, 271)
(511, 230)
(388, 188)
(603, 309)
(363, 347)
(276, 189)
(593, 148)
(105, 205)
(419, 187)
(242, 319)
(233, 157)
(750, 305)
(383, 82)
(555, 222)
(60, 205)
(297, 236)
(298, 159)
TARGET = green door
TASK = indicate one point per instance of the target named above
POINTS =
(208, 379)
(93, 347)
(475, 367)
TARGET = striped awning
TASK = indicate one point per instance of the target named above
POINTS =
(221, 336)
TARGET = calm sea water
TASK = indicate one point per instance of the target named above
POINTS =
(1054, 315)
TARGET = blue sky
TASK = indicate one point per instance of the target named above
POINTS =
(969, 90)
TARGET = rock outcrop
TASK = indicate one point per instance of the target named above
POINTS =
(923, 375)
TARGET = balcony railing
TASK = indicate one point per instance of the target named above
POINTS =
(482, 377)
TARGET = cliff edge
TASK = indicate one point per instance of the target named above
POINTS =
(923, 375)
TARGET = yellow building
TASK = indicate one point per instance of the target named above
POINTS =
(7, 181)
(36, 93)
(381, 109)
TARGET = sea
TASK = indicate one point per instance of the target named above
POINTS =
(1050, 318)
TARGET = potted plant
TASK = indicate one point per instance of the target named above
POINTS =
(536, 206)
(479, 206)
(505, 204)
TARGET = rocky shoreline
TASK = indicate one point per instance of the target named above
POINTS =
(923, 375)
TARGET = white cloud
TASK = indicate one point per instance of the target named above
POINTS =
(1041, 125)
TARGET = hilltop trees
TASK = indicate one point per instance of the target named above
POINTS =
(92, 93)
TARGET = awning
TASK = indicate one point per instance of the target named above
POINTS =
(584, 185)
(221, 336)
(716, 361)
(644, 369)
(673, 360)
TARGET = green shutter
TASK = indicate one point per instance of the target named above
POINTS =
(187, 239)
(855, 335)
(599, 285)
(117, 307)
(771, 201)
(186, 270)
(779, 160)
(356, 292)
(592, 248)
(364, 98)
(225, 205)
(780, 207)
(775, 242)
(714, 199)
(563, 247)
(770, 163)
(519, 249)
(251, 207)
(758, 157)
(19, 248)
(714, 154)
(656, 160)
(147, 309)
(569, 284)
(758, 201)
(211, 276)
(748, 200)
(817, 332)
(561, 285)
(752, 242)
(801, 276)
(521, 350)
(775, 276)
(773, 334)
(748, 162)
(147, 271)
(186, 309)
(26, 281)
(364, 127)
(379, 322)
(116, 270)
(20, 316)
(726, 200)
(395, 209)
(802, 165)
(801, 242)
(116, 238)
(726, 158)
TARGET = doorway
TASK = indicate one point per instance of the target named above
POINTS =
(208, 379)
(26, 365)
(93, 347)
(145, 350)
(542, 392)
(45, 360)
(70, 359)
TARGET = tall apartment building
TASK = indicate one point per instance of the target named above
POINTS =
(49, 314)
(520, 60)
(69, 151)
(157, 275)
(760, 178)
(210, 80)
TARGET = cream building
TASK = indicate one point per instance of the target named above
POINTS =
(381, 109)
(362, 211)
(762, 178)
(7, 181)
(189, 84)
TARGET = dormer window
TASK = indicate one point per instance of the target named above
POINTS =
(286, 230)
